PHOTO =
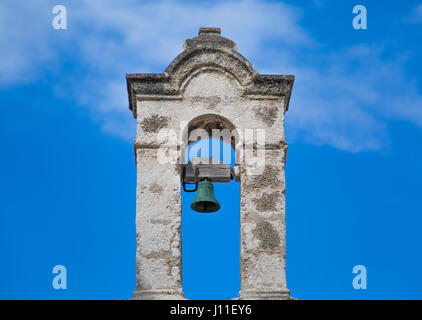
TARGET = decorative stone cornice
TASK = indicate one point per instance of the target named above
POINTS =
(208, 50)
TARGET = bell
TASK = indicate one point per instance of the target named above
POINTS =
(205, 200)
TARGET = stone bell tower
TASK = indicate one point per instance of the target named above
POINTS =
(209, 85)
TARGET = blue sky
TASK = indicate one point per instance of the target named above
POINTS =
(353, 174)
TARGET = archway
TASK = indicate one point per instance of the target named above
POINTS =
(211, 241)
(203, 126)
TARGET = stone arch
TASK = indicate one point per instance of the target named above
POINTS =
(229, 261)
(190, 60)
(208, 122)
(187, 80)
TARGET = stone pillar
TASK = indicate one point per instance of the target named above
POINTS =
(262, 231)
(158, 228)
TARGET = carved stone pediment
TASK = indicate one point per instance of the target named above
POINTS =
(208, 51)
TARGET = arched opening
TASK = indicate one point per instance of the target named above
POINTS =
(202, 127)
(211, 241)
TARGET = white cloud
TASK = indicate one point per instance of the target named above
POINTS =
(23, 41)
(345, 99)
(342, 99)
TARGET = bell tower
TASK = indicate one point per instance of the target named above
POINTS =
(210, 86)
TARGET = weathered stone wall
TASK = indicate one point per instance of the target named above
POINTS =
(213, 93)
(158, 227)
(263, 230)
(210, 86)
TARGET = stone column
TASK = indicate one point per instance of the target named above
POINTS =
(262, 231)
(158, 228)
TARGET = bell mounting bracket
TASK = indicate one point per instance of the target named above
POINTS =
(191, 173)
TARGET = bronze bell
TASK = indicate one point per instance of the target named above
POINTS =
(205, 200)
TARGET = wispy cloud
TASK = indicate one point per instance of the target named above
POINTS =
(342, 99)
(24, 41)
(416, 15)
(345, 99)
